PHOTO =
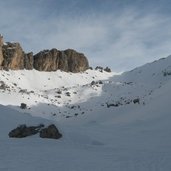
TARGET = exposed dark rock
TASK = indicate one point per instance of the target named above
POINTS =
(3, 85)
(136, 101)
(24, 131)
(99, 68)
(58, 96)
(1, 57)
(50, 132)
(13, 56)
(1, 40)
(23, 106)
(166, 73)
(93, 83)
(1, 53)
(59, 92)
(46, 60)
(68, 60)
(23, 91)
(96, 82)
(76, 61)
(107, 69)
(112, 105)
(100, 82)
(28, 61)
(68, 94)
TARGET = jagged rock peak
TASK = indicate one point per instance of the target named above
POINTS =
(13, 57)
(1, 40)
(1, 54)
(68, 60)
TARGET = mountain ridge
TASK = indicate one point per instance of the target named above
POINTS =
(13, 57)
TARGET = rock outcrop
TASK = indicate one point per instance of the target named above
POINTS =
(68, 60)
(28, 61)
(50, 132)
(1, 53)
(13, 57)
(24, 131)
(76, 61)
(1, 57)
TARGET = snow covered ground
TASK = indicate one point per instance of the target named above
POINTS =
(108, 122)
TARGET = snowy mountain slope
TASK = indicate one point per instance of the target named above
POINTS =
(128, 138)
(150, 73)
(103, 124)
(48, 89)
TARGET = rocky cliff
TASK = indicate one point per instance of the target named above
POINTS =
(28, 61)
(68, 60)
(13, 57)
(1, 57)
(1, 53)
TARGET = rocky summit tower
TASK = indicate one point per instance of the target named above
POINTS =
(1, 53)
(13, 57)
(1, 40)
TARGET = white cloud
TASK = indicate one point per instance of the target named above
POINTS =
(121, 41)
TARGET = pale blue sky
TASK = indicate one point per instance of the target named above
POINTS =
(121, 34)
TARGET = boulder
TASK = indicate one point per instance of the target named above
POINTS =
(107, 69)
(136, 101)
(24, 131)
(3, 86)
(23, 106)
(99, 68)
(50, 132)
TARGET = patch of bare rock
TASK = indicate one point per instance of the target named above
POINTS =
(22, 131)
